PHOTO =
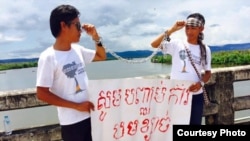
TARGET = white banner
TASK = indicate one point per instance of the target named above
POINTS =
(138, 109)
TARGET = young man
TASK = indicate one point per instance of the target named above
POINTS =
(61, 74)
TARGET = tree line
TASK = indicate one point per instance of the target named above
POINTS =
(19, 65)
(219, 59)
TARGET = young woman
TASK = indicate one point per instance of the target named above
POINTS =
(181, 51)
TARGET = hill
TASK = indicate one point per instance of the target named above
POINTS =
(19, 60)
(145, 53)
(230, 47)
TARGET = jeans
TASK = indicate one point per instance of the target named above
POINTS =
(80, 131)
(197, 109)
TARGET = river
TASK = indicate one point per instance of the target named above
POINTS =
(25, 78)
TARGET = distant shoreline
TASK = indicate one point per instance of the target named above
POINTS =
(219, 58)
(144, 53)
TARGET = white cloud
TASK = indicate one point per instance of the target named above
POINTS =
(6, 39)
(123, 24)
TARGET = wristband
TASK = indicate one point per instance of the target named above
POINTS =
(99, 42)
(202, 83)
(166, 37)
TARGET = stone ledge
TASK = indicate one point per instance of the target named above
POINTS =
(44, 133)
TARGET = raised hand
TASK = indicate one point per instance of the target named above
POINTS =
(178, 25)
(91, 31)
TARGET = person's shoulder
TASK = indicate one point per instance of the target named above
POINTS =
(78, 47)
(81, 48)
(47, 52)
(207, 46)
(177, 41)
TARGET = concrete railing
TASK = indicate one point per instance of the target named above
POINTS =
(220, 90)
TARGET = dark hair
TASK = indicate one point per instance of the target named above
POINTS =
(62, 13)
(201, 36)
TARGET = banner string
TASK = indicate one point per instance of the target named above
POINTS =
(134, 60)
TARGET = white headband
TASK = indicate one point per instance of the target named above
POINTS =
(194, 22)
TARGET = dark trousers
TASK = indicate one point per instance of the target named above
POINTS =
(80, 131)
(196, 109)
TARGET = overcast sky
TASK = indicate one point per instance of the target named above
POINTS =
(123, 24)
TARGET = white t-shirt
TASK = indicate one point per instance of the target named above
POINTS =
(65, 74)
(182, 68)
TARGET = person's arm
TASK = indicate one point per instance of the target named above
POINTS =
(198, 85)
(45, 95)
(206, 76)
(177, 26)
(158, 40)
(100, 50)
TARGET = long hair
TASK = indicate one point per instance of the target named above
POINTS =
(200, 37)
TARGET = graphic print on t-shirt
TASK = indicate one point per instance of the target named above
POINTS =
(183, 56)
(70, 71)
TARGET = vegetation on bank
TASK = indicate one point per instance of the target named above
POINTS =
(219, 59)
(19, 65)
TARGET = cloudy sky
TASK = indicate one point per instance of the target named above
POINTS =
(123, 24)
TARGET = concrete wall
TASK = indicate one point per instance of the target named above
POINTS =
(219, 88)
